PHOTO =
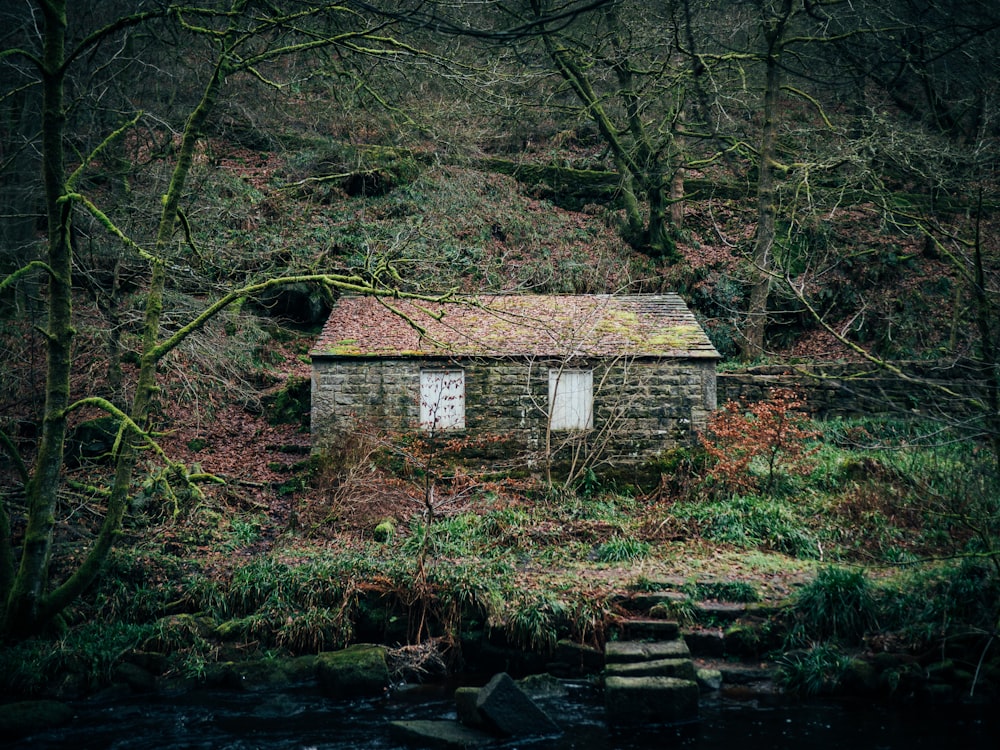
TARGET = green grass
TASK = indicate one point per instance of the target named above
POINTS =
(729, 591)
(755, 522)
(621, 549)
(538, 565)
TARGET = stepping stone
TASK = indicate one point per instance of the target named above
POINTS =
(739, 673)
(617, 652)
(681, 668)
(465, 707)
(709, 679)
(644, 700)
(447, 735)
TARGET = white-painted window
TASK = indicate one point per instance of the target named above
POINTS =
(442, 400)
(571, 399)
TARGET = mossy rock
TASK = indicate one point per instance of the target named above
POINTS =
(385, 169)
(354, 672)
(291, 403)
(257, 674)
(384, 532)
(860, 677)
(93, 440)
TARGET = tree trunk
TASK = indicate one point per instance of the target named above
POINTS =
(660, 228)
(24, 599)
(763, 259)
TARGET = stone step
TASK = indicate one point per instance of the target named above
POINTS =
(719, 611)
(741, 673)
(637, 629)
(645, 700)
(643, 601)
(707, 642)
(681, 668)
(619, 652)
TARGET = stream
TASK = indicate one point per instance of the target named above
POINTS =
(300, 718)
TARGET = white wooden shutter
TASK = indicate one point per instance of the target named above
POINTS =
(442, 400)
(571, 399)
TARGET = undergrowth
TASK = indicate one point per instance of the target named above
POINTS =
(509, 556)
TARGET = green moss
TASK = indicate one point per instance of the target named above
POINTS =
(678, 337)
(384, 531)
(344, 347)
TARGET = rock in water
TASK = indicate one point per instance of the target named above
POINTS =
(440, 734)
(642, 700)
(355, 672)
(510, 712)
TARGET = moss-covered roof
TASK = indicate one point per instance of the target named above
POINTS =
(598, 325)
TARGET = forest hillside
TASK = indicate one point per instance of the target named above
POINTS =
(186, 190)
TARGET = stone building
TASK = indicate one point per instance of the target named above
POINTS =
(532, 378)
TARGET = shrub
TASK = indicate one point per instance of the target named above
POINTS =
(753, 522)
(813, 672)
(767, 436)
(933, 603)
(839, 604)
(532, 623)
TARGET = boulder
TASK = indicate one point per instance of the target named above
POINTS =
(645, 700)
(465, 707)
(354, 672)
(507, 710)
(709, 680)
(138, 679)
(254, 674)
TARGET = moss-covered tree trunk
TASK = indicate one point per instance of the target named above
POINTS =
(646, 168)
(24, 599)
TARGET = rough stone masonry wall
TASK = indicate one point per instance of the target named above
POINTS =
(851, 389)
(640, 407)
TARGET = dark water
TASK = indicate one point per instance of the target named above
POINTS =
(301, 719)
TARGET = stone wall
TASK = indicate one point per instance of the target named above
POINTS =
(641, 407)
(831, 390)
